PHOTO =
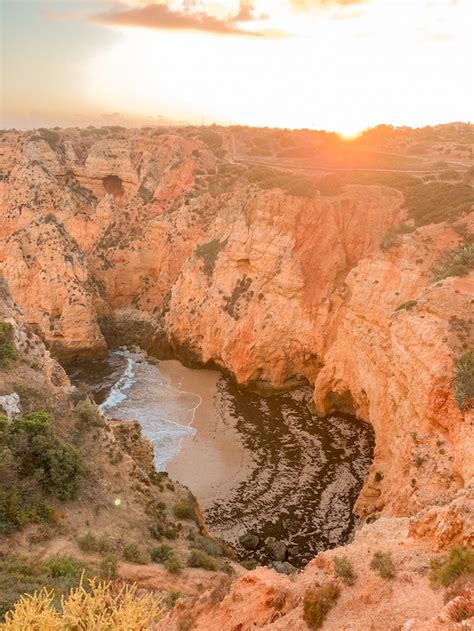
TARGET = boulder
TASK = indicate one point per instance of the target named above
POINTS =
(249, 542)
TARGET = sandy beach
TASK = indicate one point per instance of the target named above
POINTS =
(213, 460)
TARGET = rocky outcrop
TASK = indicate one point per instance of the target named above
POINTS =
(264, 598)
(49, 277)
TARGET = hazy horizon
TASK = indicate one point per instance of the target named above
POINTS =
(338, 65)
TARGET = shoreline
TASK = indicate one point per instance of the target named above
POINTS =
(213, 460)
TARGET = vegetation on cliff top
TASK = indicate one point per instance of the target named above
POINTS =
(19, 575)
(456, 262)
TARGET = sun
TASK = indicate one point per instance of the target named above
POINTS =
(350, 134)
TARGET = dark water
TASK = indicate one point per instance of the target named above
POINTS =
(308, 473)
(305, 472)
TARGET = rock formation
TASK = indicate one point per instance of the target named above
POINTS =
(157, 238)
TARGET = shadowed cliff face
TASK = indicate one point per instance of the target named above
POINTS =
(275, 288)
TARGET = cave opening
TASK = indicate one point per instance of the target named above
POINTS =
(113, 185)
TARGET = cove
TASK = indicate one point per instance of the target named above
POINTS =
(267, 466)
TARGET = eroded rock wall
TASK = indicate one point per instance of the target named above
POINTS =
(275, 288)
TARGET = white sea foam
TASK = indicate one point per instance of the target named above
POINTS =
(163, 409)
(117, 393)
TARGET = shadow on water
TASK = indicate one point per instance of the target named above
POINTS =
(305, 472)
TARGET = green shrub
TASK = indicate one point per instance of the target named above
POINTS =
(456, 262)
(173, 564)
(34, 463)
(134, 554)
(62, 566)
(91, 543)
(8, 350)
(61, 464)
(25, 392)
(383, 564)
(464, 380)
(19, 575)
(108, 566)
(89, 413)
(433, 202)
(209, 546)
(159, 554)
(459, 562)
(185, 509)
(198, 558)
(317, 603)
(344, 569)
(34, 423)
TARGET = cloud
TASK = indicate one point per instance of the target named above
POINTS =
(306, 5)
(161, 16)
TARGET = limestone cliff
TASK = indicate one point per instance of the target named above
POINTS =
(160, 238)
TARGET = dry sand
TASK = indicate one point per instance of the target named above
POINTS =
(213, 461)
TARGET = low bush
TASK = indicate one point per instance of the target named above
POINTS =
(344, 570)
(209, 546)
(89, 413)
(464, 380)
(19, 576)
(34, 464)
(173, 564)
(198, 558)
(383, 564)
(8, 350)
(185, 509)
(159, 554)
(317, 603)
(62, 567)
(102, 605)
(91, 543)
(459, 562)
(134, 554)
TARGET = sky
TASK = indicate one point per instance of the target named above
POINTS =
(341, 65)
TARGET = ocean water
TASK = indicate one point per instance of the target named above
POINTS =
(128, 385)
(302, 473)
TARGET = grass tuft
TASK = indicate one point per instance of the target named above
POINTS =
(344, 570)
(383, 564)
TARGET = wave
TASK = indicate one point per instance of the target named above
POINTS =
(117, 393)
(164, 410)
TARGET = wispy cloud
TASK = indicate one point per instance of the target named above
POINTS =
(162, 16)
(305, 5)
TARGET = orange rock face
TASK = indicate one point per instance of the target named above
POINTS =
(276, 289)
